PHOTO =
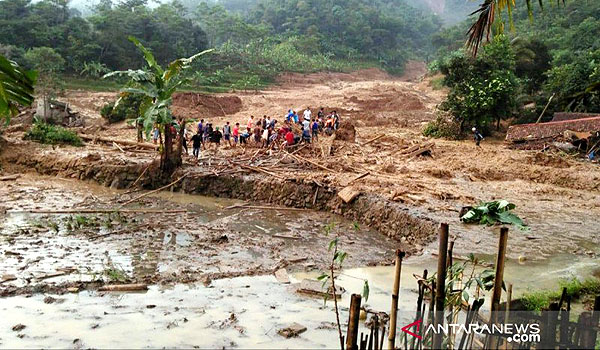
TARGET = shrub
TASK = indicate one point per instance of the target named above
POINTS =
(126, 107)
(442, 127)
(52, 134)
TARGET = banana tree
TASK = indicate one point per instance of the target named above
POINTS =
(16, 88)
(157, 86)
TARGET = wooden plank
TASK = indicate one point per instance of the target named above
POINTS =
(348, 194)
(149, 146)
(282, 276)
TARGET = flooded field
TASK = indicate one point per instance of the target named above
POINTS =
(209, 270)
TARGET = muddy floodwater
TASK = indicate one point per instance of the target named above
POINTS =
(210, 269)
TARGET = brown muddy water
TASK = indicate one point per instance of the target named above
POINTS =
(206, 291)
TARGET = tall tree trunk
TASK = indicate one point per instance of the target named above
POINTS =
(171, 155)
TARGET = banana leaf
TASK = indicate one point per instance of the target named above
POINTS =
(494, 213)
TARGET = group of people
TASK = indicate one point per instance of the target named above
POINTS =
(265, 131)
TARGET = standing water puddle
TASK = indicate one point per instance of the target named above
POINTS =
(243, 312)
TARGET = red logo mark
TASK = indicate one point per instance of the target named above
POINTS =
(417, 324)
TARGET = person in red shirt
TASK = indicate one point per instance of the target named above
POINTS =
(236, 133)
(289, 138)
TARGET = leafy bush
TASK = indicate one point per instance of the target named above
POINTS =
(443, 127)
(52, 134)
(492, 213)
(482, 89)
(126, 107)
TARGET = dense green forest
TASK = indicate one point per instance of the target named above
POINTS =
(255, 40)
(555, 52)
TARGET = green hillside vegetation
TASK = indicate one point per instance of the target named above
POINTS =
(254, 40)
(555, 52)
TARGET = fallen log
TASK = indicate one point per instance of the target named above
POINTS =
(152, 192)
(119, 142)
(124, 288)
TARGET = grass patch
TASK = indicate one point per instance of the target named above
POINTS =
(437, 83)
(52, 134)
(576, 289)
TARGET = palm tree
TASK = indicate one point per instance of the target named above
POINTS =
(16, 88)
(157, 86)
(488, 12)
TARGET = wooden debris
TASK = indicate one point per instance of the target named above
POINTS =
(10, 177)
(359, 177)
(300, 159)
(118, 147)
(282, 276)
(259, 170)
(140, 177)
(285, 237)
(348, 194)
(149, 146)
(152, 192)
(124, 288)
(292, 331)
(7, 278)
(297, 260)
(315, 288)
(373, 140)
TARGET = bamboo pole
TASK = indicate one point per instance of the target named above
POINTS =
(155, 191)
(440, 294)
(353, 323)
(395, 297)
(500, 259)
(498, 281)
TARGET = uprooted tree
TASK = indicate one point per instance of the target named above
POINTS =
(157, 86)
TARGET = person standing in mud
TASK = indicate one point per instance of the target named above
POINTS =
(236, 134)
(257, 133)
(227, 133)
(315, 130)
(206, 136)
(215, 137)
(184, 140)
(197, 143)
(155, 134)
(321, 118)
(201, 126)
(477, 137)
(250, 124)
(336, 120)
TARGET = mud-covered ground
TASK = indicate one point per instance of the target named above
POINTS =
(558, 195)
(200, 241)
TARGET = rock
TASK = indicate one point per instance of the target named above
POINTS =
(18, 327)
(292, 331)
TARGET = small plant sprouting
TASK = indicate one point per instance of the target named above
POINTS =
(337, 260)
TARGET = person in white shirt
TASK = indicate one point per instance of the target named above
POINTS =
(307, 114)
